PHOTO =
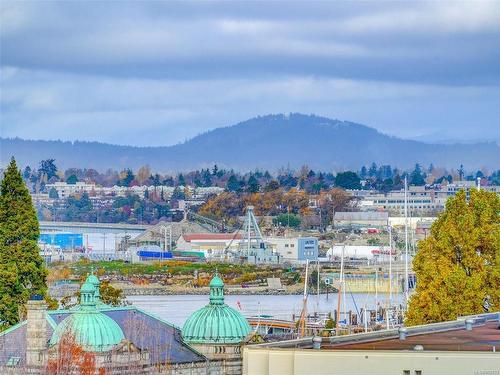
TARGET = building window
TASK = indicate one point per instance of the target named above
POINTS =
(406, 372)
(418, 372)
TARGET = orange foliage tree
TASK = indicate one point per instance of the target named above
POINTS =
(229, 205)
(70, 358)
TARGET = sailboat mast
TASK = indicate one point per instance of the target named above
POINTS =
(303, 315)
(390, 266)
(376, 294)
(406, 241)
(341, 288)
(317, 288)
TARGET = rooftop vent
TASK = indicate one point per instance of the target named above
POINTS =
(468, 324)
(317, 342)
(402, 333)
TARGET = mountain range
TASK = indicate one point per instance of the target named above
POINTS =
(265, 142)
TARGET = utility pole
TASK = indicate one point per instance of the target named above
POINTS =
(170, 235)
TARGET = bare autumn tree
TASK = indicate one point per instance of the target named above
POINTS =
(152, 336)
(143, 174)
(70, 358)
(331, 201)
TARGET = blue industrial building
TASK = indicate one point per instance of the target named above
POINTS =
(65, 241)
(307, 248)
(153, 255)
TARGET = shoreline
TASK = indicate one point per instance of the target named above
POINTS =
(134, 290)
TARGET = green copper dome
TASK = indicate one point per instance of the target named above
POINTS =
(93, 330)
(216, 322)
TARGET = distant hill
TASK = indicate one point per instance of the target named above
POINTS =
(268, 142)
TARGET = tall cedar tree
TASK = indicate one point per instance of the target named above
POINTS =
(22, 271)
(458, 265)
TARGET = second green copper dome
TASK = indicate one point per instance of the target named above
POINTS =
(216, 322)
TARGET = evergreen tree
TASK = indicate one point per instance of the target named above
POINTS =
(155, 180)
(127, 178)
(22, 272)
(72, 180)
(207, 178)
(287, 220)
(197, 182)
(416, 177)
(458, 265)
(181, 181)
(363, 172)
(372, 172)
(347, 180)
(461, 172)
(178, 194)
(253, 185)
(233, 184)
(48, 167)
(168, 181)
(27, 172)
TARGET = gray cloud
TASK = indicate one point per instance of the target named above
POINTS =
(159, 72)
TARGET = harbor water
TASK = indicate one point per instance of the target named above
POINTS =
(177, 308)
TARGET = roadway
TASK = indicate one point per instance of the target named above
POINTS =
(76, 227)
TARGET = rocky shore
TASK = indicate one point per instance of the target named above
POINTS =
(151, 289)
(129, 290)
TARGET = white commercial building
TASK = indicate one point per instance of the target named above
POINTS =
(294, 249)
(359, 251)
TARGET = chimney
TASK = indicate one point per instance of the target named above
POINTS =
(36, 333)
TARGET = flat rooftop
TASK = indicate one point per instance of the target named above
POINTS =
(452, 336)
(480, 338)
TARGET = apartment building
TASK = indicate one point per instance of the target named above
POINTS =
(65, 190)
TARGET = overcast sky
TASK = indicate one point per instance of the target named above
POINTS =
(156, 73)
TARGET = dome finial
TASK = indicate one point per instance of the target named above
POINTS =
(216, 291)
